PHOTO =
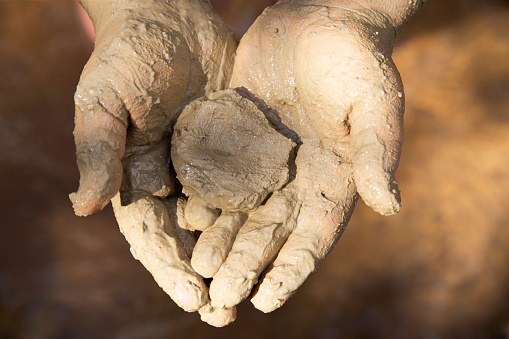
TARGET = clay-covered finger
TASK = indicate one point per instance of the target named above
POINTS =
(100, 136)
(376, 139)
(257, 243)
(352, 93)
(215, 243)
(199, 214)
(320, 224)
(151, 233)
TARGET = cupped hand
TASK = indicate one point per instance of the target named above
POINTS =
(327, 72)
(151, 58)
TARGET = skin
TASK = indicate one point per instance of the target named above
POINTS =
(151, 58)
(325, 69)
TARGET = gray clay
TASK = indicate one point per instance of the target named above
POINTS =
(225, 151)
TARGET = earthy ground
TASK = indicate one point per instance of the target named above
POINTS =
(439, 269)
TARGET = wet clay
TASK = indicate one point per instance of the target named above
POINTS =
(150, 59)
(225, 151)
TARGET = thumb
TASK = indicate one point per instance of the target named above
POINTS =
(376, 139)
(100, 136)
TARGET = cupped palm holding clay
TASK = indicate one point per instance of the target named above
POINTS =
(325, 69)
(151, 58)
(320, 69)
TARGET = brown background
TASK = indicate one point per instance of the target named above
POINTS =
(439, 269)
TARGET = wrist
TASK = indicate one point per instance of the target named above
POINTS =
(396, 12)
(101, 11)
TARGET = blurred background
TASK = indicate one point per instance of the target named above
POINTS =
(438, 269)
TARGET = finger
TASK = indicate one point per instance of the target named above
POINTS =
(147, 169)
(100, 136)
(329, 197)
(200, 215)
(256, 245)
(353, 95)
(376, 139)
(218, 317)
(215, 243)
(320, 224)
(151, 233)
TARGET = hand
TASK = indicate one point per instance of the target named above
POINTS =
(327, 71)
(151, 58)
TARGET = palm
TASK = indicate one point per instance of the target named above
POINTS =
(333, 84)
(142, 72)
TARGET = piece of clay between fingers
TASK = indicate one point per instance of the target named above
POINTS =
(215, 243)
(151, 233)
(187, 238)
(148, 170)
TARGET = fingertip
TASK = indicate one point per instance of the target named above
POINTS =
(85, 205)
(206, 261)
(199, 215)
(267, 305)
(269, 297)
(189, 295)
(230, 286)
(87, 201)
(100, 177)
(284, 277)
(218, 317)
(223, 296)
(383, 196)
